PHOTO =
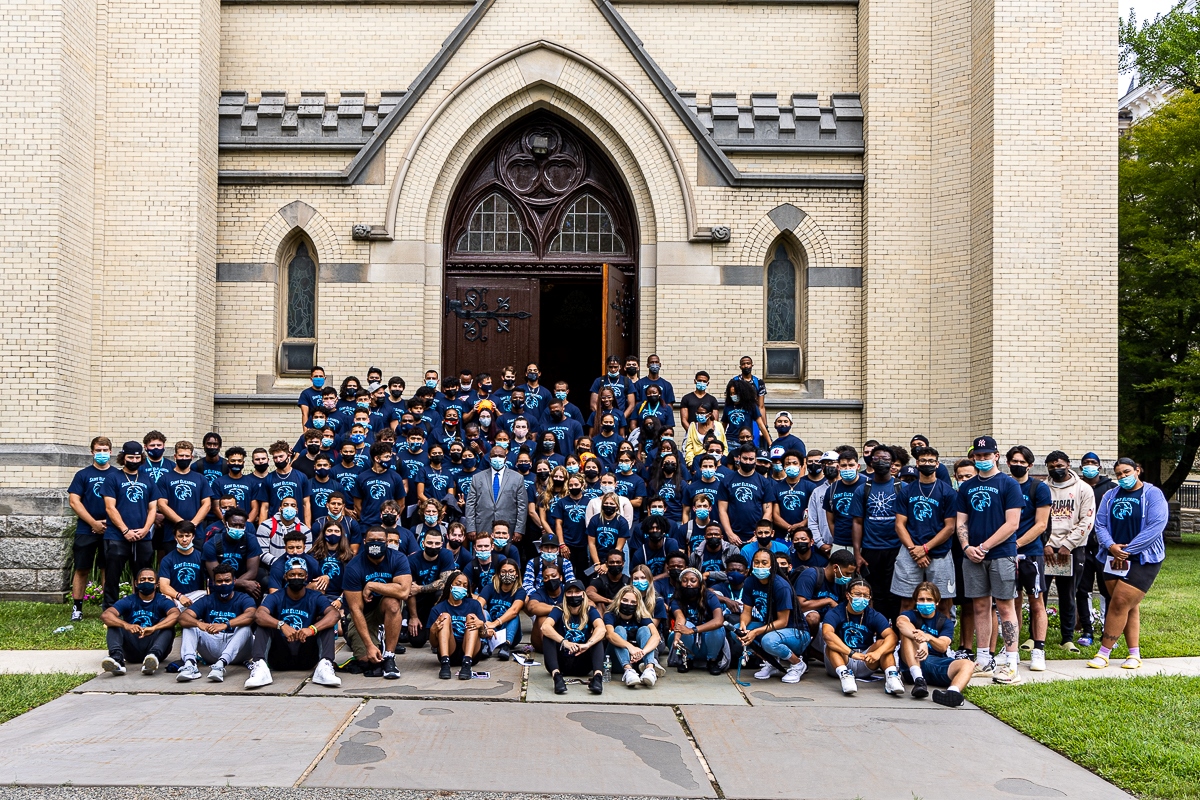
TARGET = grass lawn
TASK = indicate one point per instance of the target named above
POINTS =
(30, 626)
(1142, 734)
(20, 693)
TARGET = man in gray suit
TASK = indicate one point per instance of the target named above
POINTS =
(496, 493)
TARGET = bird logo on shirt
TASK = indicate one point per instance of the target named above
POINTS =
(981, 501)
(576, 513)
(185, 573)
(743, 494)
(183, 491)
(143, 617)
(735, 416)
(791, 501)
(439, 482)
(96, 485)
(236, 491)
(331, 567)
(134, 492)
(283, 490)
(922, 511)
(378, 491)
(293, 619)
(666, 491)
(1122, 509)
(605, 449)
(346, 479)
(841, 504)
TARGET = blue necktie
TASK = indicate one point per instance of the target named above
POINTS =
(495, 486)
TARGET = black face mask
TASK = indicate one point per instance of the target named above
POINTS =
(455, 458)
(669, 468)
(814, 469)
(388, 519)
(1018, 471)
(575, 492)
(927, 469)
(212, 452)
(296, 584)
(435, 460)
(830, 472)
(765, 541)
(432, 551)
(689, 592)
(882, 469)
(713, 543)
(615, 572)
(375, 549)
(575, 601)
(552, 584)
(591, 474)
(801, 548)
(1058, 475)
(313, 448)
(541, 476)
(674, 574)
(744, 468)
(626, 610)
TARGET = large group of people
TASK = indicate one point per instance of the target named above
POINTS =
(443, 517)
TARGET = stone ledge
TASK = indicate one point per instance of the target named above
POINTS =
(39, 454)
(32, 597)
(34, 503)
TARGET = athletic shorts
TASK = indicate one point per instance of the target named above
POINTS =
(1031, 574)
(936, 670)
(857, 666)
(1141, 576)
(88, 555)
(908, 575)
(996, 578)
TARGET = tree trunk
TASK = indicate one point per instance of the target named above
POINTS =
(1183, 467)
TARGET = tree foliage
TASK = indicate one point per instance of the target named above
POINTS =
(1167, 49)
(1159, 301)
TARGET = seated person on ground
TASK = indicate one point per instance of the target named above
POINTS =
(217, 628)
(141, 626)
(431, 565)
(375, 587)
(699, 624)
(768, 617)
(295, 631)
(859, 641)
(572, 636)
(633, 637)
(540, 602)
(181, 576)
(294, 546)
(503, 600)
(455, 625)
(608, 580)
(925, 637)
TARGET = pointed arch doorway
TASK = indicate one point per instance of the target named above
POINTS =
(540, 259)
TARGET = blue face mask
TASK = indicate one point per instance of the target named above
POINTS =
(657, 512)
(1128, 482)
(859, 604)
(625, 467)
(327, 443)
(182, 549)
(708, 473)
(363, 404)
(431, 383)
(842, 580)
(483, 555)
(572, 469)
(641, 584)
(701, 419)
(235, 533)
(848, 474)
(497, 463)
(101, 458)
(561, 396)
(318, 382)
(1090, 471)
(701, 386)
(791, 471)
(926, 609)
(550, 557)
(736, 578)
(357, 438)
(287, 513)
(223, 590)
(431, 520)
(762, 573)
(332, 539)
(983, 466)
(319, 423)
(458, 592)
(702, 514)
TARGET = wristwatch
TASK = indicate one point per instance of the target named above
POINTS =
(279, 627)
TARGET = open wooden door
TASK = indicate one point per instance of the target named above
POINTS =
(618, 314)
(490, 322)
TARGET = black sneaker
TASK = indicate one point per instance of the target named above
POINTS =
(464, 674)
(400, 650)
(503, 652)
(920, 688)
(390, 672)
(444, 672)
(560, 685)
(596, 684)
(948, 699)
(714, 668)
(372, 670)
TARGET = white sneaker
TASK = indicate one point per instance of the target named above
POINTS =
(76, 615)
(110, 664)
(766, 672)
(649, 676)
(1037, 660)
(849, 685)
(892, 683)
(660, 669)
(260, 674)
(217, 673)
(631, 678)
(795, 672)
(190, 672)
(984, 670)
(1006, 673)
(149, 664)
(323, 674)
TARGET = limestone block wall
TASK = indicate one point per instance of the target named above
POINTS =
(36, 531)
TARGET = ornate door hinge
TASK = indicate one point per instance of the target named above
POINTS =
(474, 312)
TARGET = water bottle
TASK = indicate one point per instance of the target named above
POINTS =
(607, 669)
(64, 629)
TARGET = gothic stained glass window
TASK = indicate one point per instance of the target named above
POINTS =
(302, 295)
(781, 298)
(494, 228)
(587, 227)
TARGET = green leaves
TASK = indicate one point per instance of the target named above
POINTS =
(1167, 49)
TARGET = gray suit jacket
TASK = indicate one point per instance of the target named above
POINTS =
(512, 505)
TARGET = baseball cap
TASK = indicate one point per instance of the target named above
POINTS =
(132, 448)
(984, 444)
(573, 585)
(776, 452)
(762, 455)
(371, 387)
(830, 455)
(548, 540)
(296, 563)
(783, 415)
(909, 471)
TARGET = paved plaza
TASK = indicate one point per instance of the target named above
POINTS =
(692, 735)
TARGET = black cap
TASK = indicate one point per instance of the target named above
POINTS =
(909, 471)
(132, 448)
(763, 454)
(548, 540)
(573, 585)
(984, 444)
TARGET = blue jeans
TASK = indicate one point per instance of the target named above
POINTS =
(710, 642)
(621, 655)
(512, 629)
(783, 644)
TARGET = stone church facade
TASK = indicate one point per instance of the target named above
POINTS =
(904, 210)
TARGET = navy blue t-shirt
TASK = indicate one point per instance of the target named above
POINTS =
(926, 507)
(1126, 512)
(275, 579)
(136, 611)
(606, 449)
(375, 489)
(614, 619)
(186, 572)
(479, 573)
(184, 494)
(333, 568)
(298, 613)
(577, 631)
(458, 614)
(937, 626)
(213, 611)
(88, 483)
(134, 495)
(985, 503)
(746, 496)
(425, 572)
(320, 494)
(360, 570)
(838, 500)
(620, 386)
(566, 430)
(345, 477)
(699, 612)
(792, 500)
(857, 631)
(668, 391)
(234, 552)
(655, 559)
(242, 489)
(156, 471)
(1035, 494)
(438, 483)
(810, 584)
(498, 602)
(606, 533)
(572, 512)
(758, 594)
(275, 488)
(878, 513)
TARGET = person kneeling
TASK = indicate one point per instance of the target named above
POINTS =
(925, 637)
(570, 635)
(295, 631)
(628, 621)
(141, 626)
(455, 625)
(699, 625)
(217, 628)
(859, 641)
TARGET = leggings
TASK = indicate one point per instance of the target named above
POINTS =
(585, 664)
(283, 655)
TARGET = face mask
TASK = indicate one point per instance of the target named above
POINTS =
(458, 592)
(614, 373)
(431, 383)
(792, 471)
(101, 458)
(615, 572)
(689, 592)
(363, 404)
(184, 548)
(607, 489)
(830, 472)
(627, 609)
(235, 533)
(927, 469)
(524, 469)
(296, 584)
(468, 463)
(783, 430)
(313, 448)
(641, 584)
(572, 469)
(561, 396)
(183, 463)
(607, 429)
(327, 443)
(625, 468)
(261, 468)
(552, 584)
(701, 386)
(631, 371)
(746, 467)
(713, 543)
(841, 580)
(388, 519)
(531, 377)
(814, 469)
(483, 555)
(591, 474)
(332, 539)
(733, 398)
(431, 520)
(926, 609)
(801, 548)
(848, 474)
(145, 587)
(765, 541)
(575, 601)
(497, 463)
(287, 513)
(702, 514)
(701, 419)
(1128, 482)
(1090, 471)
(1058, 475)
(736, 578)
(550, 558)
(983, 466)
(154, 453)
(223, 590)
(575, 491)
(234, 469)
(318, 382)
(358, 438)
(415, 447)
(432, 551)
(1017, 470)
(674, 574)
(507, 580)
(708, 473)
(859, 604)
(319, 423)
